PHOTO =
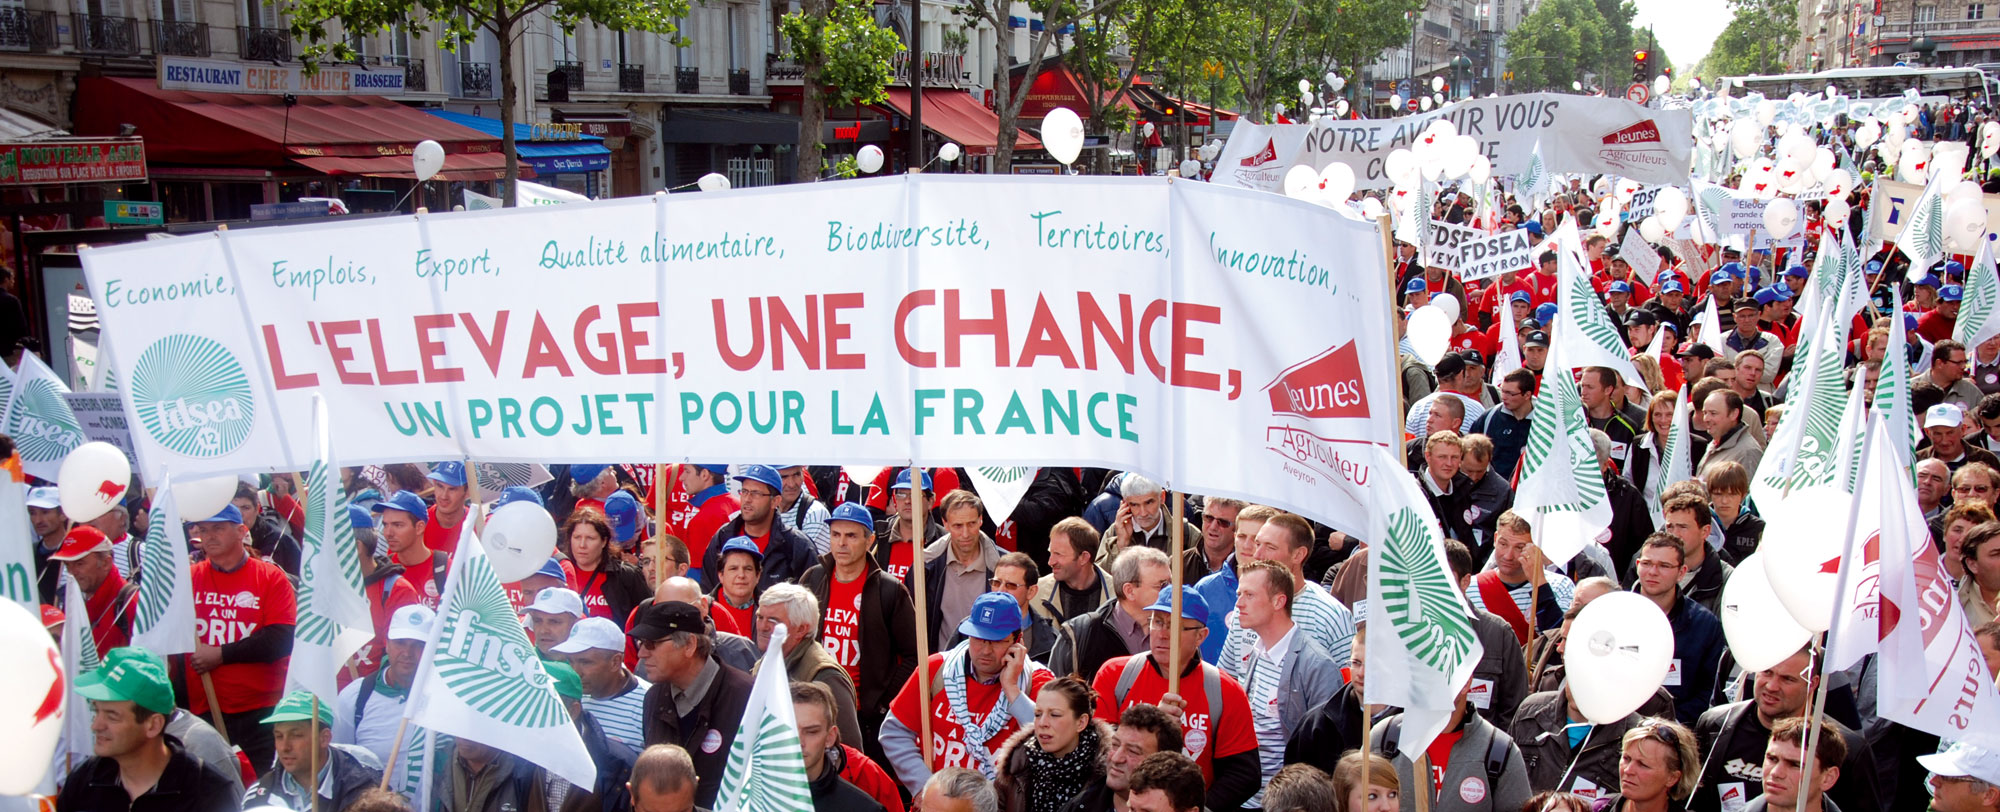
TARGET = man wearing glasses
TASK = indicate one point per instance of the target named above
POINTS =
(787, 554)
(1015, 575)
(1964, 778)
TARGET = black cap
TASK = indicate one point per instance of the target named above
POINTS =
(1728, 250)
(1702, 351)
(1536, 339)
(1637, 317)
(1472, 357)
(1745, 303)
(665, 618)
(1450, 365)
(1531, 324)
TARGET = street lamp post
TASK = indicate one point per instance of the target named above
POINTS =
(1460, 67)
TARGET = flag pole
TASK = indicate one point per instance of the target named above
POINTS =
(916, 540)
(214, 706)
(660, 485)
(312, 786)
(1395, 441)
(395, 749)
(1174, 647)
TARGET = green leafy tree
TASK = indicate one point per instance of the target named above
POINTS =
(845, 55)
(459, 21)
(1756, 40)
(1556, 44)
(1057, 16)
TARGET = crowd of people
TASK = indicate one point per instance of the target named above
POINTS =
(1069, 662)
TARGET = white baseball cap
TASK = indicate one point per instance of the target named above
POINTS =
(412, 622)
(1944, 414)
(556, 600)
(1964, 761)
(44, 498)
(590, 633)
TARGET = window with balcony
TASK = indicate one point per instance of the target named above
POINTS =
(103, 27)
(22, 30)
(263, 36)
(737, 57)
(1975, 11)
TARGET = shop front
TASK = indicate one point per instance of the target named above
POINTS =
(561, 154)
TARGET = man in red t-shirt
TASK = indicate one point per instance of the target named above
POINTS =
(385, 587)
(441, 524)
(981, 691)
(401, 520)
(1542, 283)
(1937, 325)
(244, 611)
(1226, 748)
(108, 599)
(708, 494)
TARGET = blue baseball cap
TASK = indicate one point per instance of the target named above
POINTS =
(450, 472)
(404, 501)
(1720, 277)
(1768, 296)
(230, 514)
(1734, 269)
(714, 468)
(1951, 293)
(1954, 268)
(903, 481)
(622, 508)
(360, 517)
(995, 616)
(1546, 313)
(1671, 286)
(1873, 266)
(1415, 286)
(518, 493)
(851, 512)
(1928, 281)
(586, 471)
(1909, 322)
(763, 474)
(1532, 227)
(742, 544)
(1519, 296)
(1798, 271)
(552, 568)
(1618, 287)
(1193, 606)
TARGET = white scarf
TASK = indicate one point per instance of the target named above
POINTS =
(977, 733)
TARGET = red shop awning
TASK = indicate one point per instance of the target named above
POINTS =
(953, 114)
(240, 129)
(463, 166)
(1057, 87)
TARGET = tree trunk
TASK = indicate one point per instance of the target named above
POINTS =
(504, 31)
(1003, 153)
(812, 102)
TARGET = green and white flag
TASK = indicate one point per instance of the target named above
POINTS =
(767, 766)
(1676, 460)
(164, 623)
(1979, 313)
(80, 657)
(1421, 646)
(1800, 454)
(1922, 239)
(1001, 487)
(1588, 337)
(1892, 389)
(483, 681)
(334, 621)
(1533, 185)
(1561, 491)
(39, 419)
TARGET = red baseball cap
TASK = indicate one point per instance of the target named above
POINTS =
(51, 616)
(82, 540)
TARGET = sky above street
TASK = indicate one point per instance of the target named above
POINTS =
(1686, 28)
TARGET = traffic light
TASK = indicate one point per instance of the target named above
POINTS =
(1640, 65)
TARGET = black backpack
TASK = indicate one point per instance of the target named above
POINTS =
(1496, 750)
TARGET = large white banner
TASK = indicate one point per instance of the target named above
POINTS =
(1228, 342)
(1892, 210)
(1580, 134)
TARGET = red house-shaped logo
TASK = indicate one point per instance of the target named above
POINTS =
(1326, 385)
(1644, 132)
(1269, 154)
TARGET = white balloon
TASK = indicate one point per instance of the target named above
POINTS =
(1803, 569)
(1913, 165)
(1307, 98)
(1781, 217)
(1823, 164)
(1767, 110)
(1305, 86)
(1371, 208)
(93, 479)
(1301, 182)
(950, 152)
(1429, 332)
(1650, 228)
(1332, 79)
(1795, 146)
(1836, 211)
(1147, 130)
(1336, 182)
(427, 160)
(1437, 83)
(1424, 103)
(718, 182)
(1402, 169)
(1760, 632)
(1670, 205)
(1661, 84)
(1338, 83)
(1837, 184)
(1449, 304)
(1964, 191)
(1989, 139)
(1964, 224)
(1396, 100)
(1867, 133)
(198, 499)
(869, 159)
(519, 538)
(1062, 135)
(1340, 108)
(1460, 154)
(1619, 649)
(1482, 170)
(1191, 168)
(1576, 86)
(1744, 136)
(30, 679)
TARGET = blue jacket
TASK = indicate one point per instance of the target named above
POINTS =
(1698, 650)
(1218, 588)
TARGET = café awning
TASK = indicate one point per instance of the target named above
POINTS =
(955, 115)
(583, 153)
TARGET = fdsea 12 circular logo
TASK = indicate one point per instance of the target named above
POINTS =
(192, 396)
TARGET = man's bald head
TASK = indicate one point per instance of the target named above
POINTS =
(1588, 589)
(679, 588)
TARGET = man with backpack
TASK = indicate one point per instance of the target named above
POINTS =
(1473, 766)
(369, 710)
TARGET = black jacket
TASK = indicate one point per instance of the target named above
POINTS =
(349, 776)
(1538, 729)
(1450, 512)
(272, 538)
(718, 715)
(1631, 522)
(831, 793)
(888, 634)
(785, 557)
(1328, 732)
(1728, 734)
(614, 761)
(1055, 495)
(186, 786)
(623, 585)
(1086, 641)
(1742, 536)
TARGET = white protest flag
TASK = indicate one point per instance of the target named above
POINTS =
(1676, 460)
(767, 766)
(1421, 647)
(1561, 491)
(1001, 487)
(1639, 254)
(1588, 338)
(1892, 389)
(1658, 345)
(482, 679)
(17, 558)
(1979, 313)
(1922, 239)
(39, 419)
(1709, 325)
(80, 657)
(164, 623)
(1800, 454)
(1896, 601)
(333, 621)
(1508, 358)
(1533, 184)
(1853, 430)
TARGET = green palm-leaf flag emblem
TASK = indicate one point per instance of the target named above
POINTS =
(1558, 417)
(484, 657)
(315, 623)
(157, 562)
(771, 772)
(1534, 181)
(1714, 200)
(1923, 238)
(1585, 313)
(1425, 608)
(1002, 474)
(1982, 297)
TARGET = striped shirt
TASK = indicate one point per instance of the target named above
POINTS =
(1260, 674)
(1323, 617)
(1561, 585)
(812, 525)
(1420, 413)
(622, 716)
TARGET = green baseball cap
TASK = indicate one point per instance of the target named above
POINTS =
(568, 684)
(130, 675)
(297, 706)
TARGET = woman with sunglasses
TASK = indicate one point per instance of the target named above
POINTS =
(1657, 768)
